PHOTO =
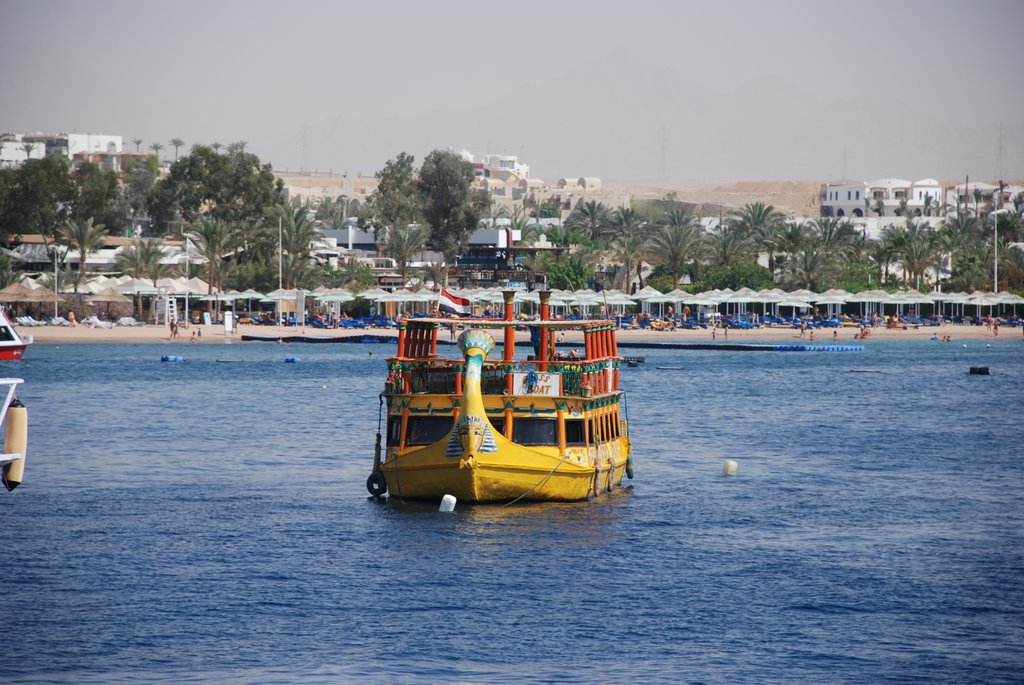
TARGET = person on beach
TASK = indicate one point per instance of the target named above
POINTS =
(686, 312)
(174, 330)
(835, 336)
(194, 338)
(995, 327)
(803, 329)
(812, 335)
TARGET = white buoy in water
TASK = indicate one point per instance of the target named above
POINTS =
(729, 467)
(447, 503)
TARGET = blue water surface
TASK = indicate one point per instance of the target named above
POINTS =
(206, 521)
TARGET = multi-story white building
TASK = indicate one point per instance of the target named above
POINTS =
(14, 150)
(102, 149)
(884, 197)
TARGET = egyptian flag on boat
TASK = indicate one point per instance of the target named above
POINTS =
(451, 304)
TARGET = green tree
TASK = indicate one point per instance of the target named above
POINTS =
(401, 243)
(833, 235)
(729, 245)
(232, 188)
(7, 275)
(628, 248)
(958, 234)
(36, 197)
(675, 242)
(138, 142)
(213, 241)
(451, 207)
(98, 194)
(357, 276)
(808, 268)
(177, 143)
(591, 218)
(84, 237)
(142, 259)
(139, 179)
(156, 148)
(396, 201)
(746, 274)
(568, 273)
(297, 236)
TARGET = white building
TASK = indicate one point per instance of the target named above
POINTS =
(14, 150)
(884, 197)
(100, 148)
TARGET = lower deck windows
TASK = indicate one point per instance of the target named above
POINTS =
(535, 431)
(426, 430)
(575, 432)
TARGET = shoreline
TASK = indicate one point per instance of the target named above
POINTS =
(205, 334)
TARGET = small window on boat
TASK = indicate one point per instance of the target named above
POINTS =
(574, 432)
(534, 432)
(498, 425)
(426, 430)
(394, 430)
(6, 334)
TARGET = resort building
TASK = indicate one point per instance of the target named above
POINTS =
(102, 149)
(884, 197)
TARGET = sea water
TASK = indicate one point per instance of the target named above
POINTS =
(206, 521)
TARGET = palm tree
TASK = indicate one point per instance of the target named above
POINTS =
(674, 243)
(177, 143)
(592, 218)
(807, 268)
(920, 251)
(402, 242)
(729, 246)
(297, 235)
(755, 219)
(213, 241)
(630, 241)
(356, 275)
(138, 142)
(216, 147)
(957, 235)
(237, 147)
(156, 148)
(835, 235)
(28, 148)
(85, 237)
(6, 271)
(629, 248)
(1011, 267)
(142, 260)
(436, 272)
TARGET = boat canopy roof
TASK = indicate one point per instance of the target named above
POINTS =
(563, 324)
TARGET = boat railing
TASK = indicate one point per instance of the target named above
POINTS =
(444, 376)
(12, 385)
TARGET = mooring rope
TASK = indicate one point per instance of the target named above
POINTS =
(542, 481)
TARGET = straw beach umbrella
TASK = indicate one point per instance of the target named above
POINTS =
(108, 296)
(15, 292)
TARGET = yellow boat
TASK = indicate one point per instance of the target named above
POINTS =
(551, 427)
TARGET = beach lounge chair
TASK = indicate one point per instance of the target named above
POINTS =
(94, 322)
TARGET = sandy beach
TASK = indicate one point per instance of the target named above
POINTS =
(212, 334)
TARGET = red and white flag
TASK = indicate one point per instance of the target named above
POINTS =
(453, 305)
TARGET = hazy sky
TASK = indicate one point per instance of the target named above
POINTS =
(712, 90)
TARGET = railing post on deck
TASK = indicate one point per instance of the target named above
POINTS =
(545, 298)
(508, 352)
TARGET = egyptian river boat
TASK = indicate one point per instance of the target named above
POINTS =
(486, 426)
